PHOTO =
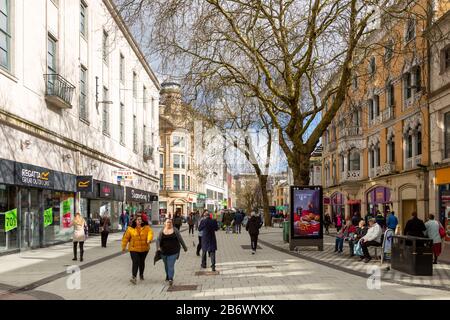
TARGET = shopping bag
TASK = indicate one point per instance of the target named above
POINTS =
(358, 249)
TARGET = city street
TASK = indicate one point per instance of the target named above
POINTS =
(270, 274)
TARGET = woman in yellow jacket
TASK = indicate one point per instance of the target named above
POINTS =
(139, 236)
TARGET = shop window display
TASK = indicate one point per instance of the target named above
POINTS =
(8, 240)
(62, 207)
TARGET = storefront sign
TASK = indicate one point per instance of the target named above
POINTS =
(326, 200)
(85, 183)
(105, 191)
(123, 175)
(33, 176)
(201, 196)
(443, 176)
(48, 217)
(136, 195)
(153, 198)
(10, 220)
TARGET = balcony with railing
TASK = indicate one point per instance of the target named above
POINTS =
(387, 168)
(375, 121)
(388, 114)
(351, 175)
(58, 91)
(352, 131)
(413, 162)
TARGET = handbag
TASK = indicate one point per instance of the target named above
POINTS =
(157, 256)
(442, 232)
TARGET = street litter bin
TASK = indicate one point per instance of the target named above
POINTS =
(286, 225)
(412, 255)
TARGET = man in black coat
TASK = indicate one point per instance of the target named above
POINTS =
(208, 227)
(253, 225)
(415, 227)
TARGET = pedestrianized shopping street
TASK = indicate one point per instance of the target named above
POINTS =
(272, 273)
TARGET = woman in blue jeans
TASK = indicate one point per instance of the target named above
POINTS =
(169, 242)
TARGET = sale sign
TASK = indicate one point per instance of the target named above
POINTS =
(48, 217)
(10, 220)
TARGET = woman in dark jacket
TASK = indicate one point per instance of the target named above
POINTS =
(169, 242)
(253, 225)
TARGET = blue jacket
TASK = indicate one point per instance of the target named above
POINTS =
(238, 218)
(392, 222)
(208, 227)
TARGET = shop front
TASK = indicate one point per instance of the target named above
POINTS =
(379, 198)
(105, 198)
(443, 184)
(337, 205)
(139, 201)
(200, 204)
(36, 206)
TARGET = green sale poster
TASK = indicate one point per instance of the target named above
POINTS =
(10, 220)
(48, 217)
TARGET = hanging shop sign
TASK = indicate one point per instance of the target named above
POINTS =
(33, 176)
(106, 191)
(48, 217)
(85, 183)
(123, 175)
(10, 220)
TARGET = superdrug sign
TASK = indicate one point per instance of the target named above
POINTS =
(135, 195)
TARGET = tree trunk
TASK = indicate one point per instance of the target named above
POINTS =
(265, 200)
(300, 166)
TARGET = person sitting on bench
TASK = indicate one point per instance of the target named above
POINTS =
(372, 238)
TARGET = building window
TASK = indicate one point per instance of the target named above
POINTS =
(389, 50)
(83, 20)
(391, 149)
(445, 59)
(161, 160)
(183, 182)
(409, 142)
(5, 35)
(417, 79)
(355, 82)
(122, 68)
(209, 194)
(354, 164)
(189, 183)
(51, 56)
(410, 30)
(419, 141)
(372, 66)
(122, 123)
(176, 161)
(144, 136)
(176, 182)
(390, 95)
(407, 85)
(376, 105)
(342, 166)
(134, 85)
(355, 118)
(447, 134)
(83, 93)
(378, 158)
(370, 103)
(105, 118)
(105, 47)
(144, 98)
(161, 181)
(135, 143)
(178, 141)
(372, 158)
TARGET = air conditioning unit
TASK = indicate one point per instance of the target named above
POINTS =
(148, 153)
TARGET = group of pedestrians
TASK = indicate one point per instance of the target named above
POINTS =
(138, 235)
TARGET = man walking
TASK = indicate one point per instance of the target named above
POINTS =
(253, 226)
(392, 221)
(238, 218)
(209, 242)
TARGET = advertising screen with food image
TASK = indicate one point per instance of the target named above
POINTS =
(307, 212)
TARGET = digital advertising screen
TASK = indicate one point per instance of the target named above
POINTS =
(306, 212)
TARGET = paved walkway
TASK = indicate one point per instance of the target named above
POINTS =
(270, 274)
(441, 271)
